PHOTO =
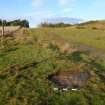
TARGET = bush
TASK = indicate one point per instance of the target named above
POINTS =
(94, 28)
(79, 56)
(53, 47)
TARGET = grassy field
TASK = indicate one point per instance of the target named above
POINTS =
(86, 39)
(32, 54)
(91, 37)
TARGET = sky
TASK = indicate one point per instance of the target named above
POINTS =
(36, 11)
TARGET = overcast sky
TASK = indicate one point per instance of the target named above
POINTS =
(37, 10)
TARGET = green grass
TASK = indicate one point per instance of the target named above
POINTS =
(25, 66)
(94, 38)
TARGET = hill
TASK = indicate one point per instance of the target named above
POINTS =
(32, 55)
(94, 24)
(62, 20)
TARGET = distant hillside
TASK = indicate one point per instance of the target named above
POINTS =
(54, 25)
(65, 20)
(94, 24)
(97, 24)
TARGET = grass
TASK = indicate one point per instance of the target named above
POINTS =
(93, 38)
(88, 37)
(25, 65)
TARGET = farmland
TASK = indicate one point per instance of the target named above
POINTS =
(30, 56)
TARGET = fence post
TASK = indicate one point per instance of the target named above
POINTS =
(2, 35)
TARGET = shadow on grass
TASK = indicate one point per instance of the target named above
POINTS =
(79, 56)
(12, 49)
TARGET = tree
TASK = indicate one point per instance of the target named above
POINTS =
(24, 23)
(0, 22)
(18, 22)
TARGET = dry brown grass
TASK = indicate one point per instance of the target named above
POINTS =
(9, 29)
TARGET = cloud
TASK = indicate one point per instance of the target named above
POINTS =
(66, 3)
(37, 3)
(63, 2)
(40, 13)
(66, 6)
(66, 10)
(37, 17)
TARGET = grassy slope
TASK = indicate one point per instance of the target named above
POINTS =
(94, 38)
(94, 24)
(23, 79)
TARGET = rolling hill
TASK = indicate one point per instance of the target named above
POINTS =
(94, 24)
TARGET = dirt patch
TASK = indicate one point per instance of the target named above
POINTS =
(69, 79)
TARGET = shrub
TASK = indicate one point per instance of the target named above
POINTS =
(79, 56)
(53, 47)
(94, 28)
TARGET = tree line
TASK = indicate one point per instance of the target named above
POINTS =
(18, 22)
(45, 24)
